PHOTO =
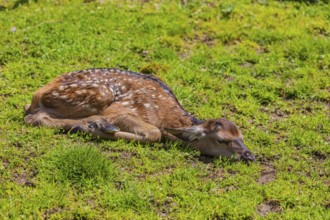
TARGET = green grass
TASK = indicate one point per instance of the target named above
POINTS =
(263, 64)
(79, 166)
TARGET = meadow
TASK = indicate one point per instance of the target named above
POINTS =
(263, 64)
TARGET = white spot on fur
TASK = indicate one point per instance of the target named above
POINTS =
(83, 90)
(147, 105)
(128, 95)
(73, 85)
(125, 103)
(111, 89)
(99, 98)
(56, 94)
(91, 92)
(142, 91)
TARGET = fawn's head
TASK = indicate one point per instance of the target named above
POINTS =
(215, 137)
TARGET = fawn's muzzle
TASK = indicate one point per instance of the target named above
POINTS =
(247, 156)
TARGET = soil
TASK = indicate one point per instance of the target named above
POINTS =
(269, 206)
(268, 174)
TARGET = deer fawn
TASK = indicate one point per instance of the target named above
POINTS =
(112, 103)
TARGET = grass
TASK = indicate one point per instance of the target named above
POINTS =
(262, 64)
(78, 165)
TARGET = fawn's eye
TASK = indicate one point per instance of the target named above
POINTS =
(221, 141)
(92, 125)
(217, 124)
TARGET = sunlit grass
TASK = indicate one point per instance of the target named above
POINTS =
(262, 64)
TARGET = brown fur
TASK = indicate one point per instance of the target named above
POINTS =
(113, 104)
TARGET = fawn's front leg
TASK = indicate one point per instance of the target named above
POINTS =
(131, 126)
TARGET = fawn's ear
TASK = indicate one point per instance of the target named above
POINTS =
(187, 134)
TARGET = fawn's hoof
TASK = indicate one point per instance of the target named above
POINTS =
(109, 129)
(103, 126)
(75, 130)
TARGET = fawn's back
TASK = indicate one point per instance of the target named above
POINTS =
(89, 92)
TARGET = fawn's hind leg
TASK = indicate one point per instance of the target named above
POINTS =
(43, 118)
(113, 126)
(127, 127)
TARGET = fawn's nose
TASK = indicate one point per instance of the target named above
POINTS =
(242, 151)
(248, 156)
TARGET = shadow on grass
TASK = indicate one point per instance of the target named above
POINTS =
(17, 4)
(21, 2)
(206, 159)
(164, 144)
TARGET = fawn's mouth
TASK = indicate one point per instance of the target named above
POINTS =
(221, 141)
